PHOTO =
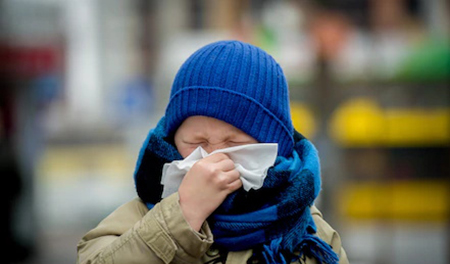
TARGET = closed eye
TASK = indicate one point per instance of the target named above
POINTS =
(194, 142)
(238, 143)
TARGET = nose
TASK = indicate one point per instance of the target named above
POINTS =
(211, 148)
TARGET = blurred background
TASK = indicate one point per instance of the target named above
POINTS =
(82, 82)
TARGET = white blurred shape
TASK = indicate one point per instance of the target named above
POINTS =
(85, 101)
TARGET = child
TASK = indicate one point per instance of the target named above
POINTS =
(227, 94)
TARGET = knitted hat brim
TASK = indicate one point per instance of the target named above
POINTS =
(232, 107)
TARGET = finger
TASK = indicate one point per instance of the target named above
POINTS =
(235, 185)
(226, 165)
(217, 157)
(232, 176)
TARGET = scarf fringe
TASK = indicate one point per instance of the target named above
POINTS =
(314, 246)
(272, 252)
(311, 246)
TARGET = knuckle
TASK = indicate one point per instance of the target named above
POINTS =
(212, 169)
(222, 155)
(200, 165)
(229, 162)
(221, 180)
(235, 174)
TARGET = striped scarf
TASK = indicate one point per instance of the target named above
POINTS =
(275, 217)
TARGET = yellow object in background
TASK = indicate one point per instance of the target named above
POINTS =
(417, 127)
(397, 200)
(303, 119)
(361, 122)
(75, 162)
(358, 122)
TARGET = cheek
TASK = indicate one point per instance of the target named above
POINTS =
(185, 150)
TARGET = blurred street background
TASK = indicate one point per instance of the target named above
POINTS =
(82, 82)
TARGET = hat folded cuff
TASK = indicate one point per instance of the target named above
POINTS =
(232, 107)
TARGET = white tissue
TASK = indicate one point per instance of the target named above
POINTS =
(252, 161)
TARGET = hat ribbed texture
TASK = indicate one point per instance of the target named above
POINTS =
(237, 83)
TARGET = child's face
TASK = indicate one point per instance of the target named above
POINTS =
(210, 134)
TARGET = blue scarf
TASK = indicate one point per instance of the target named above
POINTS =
(275, 218)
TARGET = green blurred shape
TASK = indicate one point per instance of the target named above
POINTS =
(428, 62)
(266, 38)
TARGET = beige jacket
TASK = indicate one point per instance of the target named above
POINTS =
(132, 235)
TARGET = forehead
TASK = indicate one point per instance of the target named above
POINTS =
(199, 125)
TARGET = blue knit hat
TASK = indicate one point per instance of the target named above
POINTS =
(237, 83)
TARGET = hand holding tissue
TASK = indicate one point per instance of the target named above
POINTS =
(252, 161)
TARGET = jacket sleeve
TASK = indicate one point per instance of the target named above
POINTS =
(132, 234)
(329, 235)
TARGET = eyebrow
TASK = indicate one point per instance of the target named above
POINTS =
(196, 136)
